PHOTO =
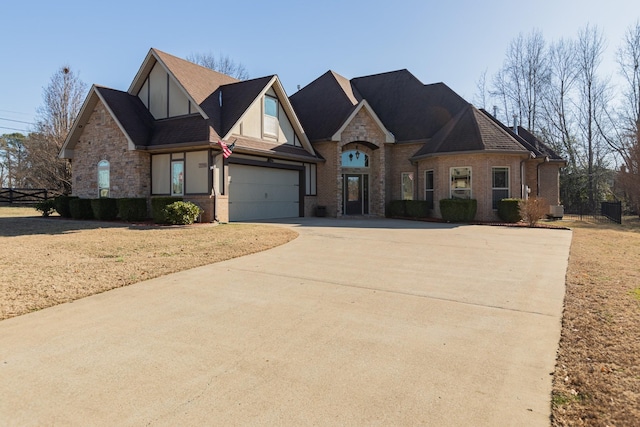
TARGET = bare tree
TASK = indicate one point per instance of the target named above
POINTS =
(626, 138)
(593, 93)
(559, 125)
(63, 99)
(480, 98)
(221, 64)
(520, 84)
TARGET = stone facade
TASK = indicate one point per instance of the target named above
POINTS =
(102, 139)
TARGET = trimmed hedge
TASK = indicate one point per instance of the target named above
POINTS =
(408, 209)
(80, 208)
(132, 209)
(509, 210)
(417, 208)
(157, 208)
(62, 205)
(46, 207)
(104, 208)
(458, 210)
(182, 213)
(397, 208)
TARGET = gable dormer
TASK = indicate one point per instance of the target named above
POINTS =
(162, 95)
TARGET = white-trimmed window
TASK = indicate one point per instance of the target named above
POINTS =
(460, 183)
(177, 177)
(270, 125)
(500, 184)
(428, 188)
(407, 185)
(103, 178)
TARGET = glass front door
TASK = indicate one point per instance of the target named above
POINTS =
(356, 194)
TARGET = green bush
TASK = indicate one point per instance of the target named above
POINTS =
(458, 210)
(408, 209)
(157, 208)
(104, 208)
(132, 209)
(397, 208)
(417, 208)
(80, 208)
(509, 210)
(182, 213)
(46, 207)
(62, 205)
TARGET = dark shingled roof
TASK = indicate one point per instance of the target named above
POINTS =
(180, 130)
(409, 109)
(273, 150)
(324, 104)
(130, 112)
(527, 139)
(236, 98)
(470, 130)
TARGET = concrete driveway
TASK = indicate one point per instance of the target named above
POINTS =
(356, 322)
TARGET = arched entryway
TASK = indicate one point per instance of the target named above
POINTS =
(356, 166)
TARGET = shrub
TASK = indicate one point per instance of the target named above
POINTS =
(46, 207)
(182, 213)
(157, 208)
(417, 208)
(132, 209)
(509, 210)
(80, 208)
(62, 205)
(397, 208)
(533, 209)
(458, 210)
(104, 208)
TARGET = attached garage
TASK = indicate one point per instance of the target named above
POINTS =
(257, 192)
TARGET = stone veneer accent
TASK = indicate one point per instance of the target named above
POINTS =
(363, 128)
(102, 139)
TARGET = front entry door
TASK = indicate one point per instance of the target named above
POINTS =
(356, 191)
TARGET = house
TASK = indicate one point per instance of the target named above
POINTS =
(390, 137)
(348, 145)
(160, 138)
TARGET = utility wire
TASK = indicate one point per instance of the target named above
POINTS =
(17, 121)
(15, 112)
(21, 130)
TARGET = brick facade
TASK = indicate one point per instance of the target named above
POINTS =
(102, 139)
(481, 179)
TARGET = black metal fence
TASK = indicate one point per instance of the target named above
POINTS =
(607, 212)
(23, 195)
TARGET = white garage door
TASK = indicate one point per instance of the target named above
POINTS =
(263, 193)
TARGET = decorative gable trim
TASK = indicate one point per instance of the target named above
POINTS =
(149, 62)
(388, 136)
(278, 89)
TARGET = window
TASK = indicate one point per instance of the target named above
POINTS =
(500, 184)
(355, 159)
(461, 183)
(271, 116)
(103, 178)
(428, 188)
(177, 178)
(310, 179)
(407, 186)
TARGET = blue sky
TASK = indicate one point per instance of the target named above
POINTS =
(448, 41)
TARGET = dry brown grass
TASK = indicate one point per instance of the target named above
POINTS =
(597, 377)
(48, 261)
